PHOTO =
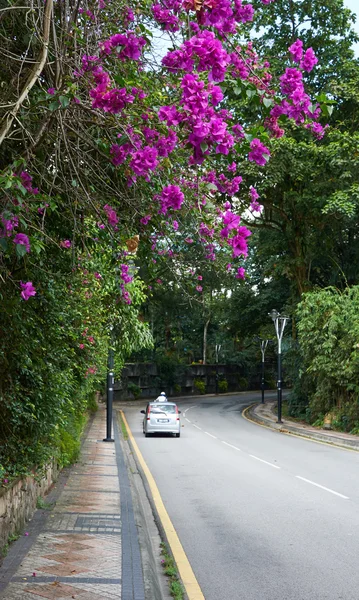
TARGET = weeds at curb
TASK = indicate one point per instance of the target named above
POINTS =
(43, 505)
(10, 539)
(170, 570)
(123, 427)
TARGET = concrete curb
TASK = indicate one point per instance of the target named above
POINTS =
(149, 532)
(250, 414)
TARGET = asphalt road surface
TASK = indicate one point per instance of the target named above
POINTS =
(261, 515)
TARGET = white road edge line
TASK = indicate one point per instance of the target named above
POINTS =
(323, 487)
(211, 435)
(230, 445)
(188, 420)
(197, 426)
(264, 461)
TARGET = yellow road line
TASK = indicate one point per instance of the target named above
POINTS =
(189, 580)
(290, 433)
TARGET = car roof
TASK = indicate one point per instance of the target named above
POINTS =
(164, 402)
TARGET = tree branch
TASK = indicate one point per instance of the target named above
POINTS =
(33, 75)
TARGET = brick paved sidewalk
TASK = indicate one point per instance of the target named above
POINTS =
(86, 547)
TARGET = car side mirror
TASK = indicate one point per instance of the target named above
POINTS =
(143, 412)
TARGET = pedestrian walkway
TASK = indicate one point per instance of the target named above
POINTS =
(264, 415)
(87, 546)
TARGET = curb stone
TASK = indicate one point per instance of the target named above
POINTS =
(340, 442)
(155, 582)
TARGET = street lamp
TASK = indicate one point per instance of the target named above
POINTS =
(263, 346)
(217, 349)
(279, 323)
(109, 390)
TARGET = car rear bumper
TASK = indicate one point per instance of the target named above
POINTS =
(154, 429)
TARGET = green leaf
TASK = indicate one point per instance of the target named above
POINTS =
(204, 147)
(20, 250)
(54, 105)
(3, 244)
(65, 101)
(268, 102)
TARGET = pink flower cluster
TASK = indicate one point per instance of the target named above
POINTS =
(238, 241)
(166, 18)
(171, 197)
(111, 215)
(130, 45)
(27, 290)
(26, 181)
(258, 152)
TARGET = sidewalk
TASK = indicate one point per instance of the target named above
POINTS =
(263, 415)
(87, 546)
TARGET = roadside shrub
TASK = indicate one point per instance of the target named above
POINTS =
(92, 405)
(243, 383)
(70, 439)
(134, 389)
(177, 388)
(200, 386)
(223, 386)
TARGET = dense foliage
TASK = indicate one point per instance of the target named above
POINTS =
(134, 143)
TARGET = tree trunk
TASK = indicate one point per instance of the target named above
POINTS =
(205, 341)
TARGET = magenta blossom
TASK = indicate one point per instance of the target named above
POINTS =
(97, 275)
(81, 346)
(296, 50)
(22, 240)
(309, 60)
(145, 219)
(171, 197)
(65, 244)
(51, 91)
(240, 273)
(28, 290)
(199, 288)
(259, 153)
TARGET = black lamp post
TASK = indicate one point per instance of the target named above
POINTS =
(109, 390)
(263, 346)
(279, 324)
(217, 350)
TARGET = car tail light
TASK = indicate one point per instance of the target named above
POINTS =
(177, 413)
(148, 414)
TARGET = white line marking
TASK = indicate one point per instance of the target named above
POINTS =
(211, 435)
(188, 420)
(230, 445)
(322, 487)
(197, 426)
(264, 461)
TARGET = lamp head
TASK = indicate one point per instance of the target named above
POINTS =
(274, 314)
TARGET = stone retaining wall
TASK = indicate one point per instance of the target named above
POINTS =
(18, 502)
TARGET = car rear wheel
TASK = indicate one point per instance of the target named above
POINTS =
(177, 434)
(147, 434)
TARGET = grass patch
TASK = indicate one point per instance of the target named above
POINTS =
(12, 538)
(123, 427)
(42, 504)
(170, 570)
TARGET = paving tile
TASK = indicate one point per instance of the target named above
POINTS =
(79, 552)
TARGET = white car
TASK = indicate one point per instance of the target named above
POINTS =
(161, 418)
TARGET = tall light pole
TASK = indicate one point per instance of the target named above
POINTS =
(217, 350)
(263, 346)
(279, 324)
(109, 390)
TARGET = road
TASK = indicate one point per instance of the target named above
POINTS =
(261, 515)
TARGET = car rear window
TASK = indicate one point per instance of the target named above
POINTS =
(170, 409)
